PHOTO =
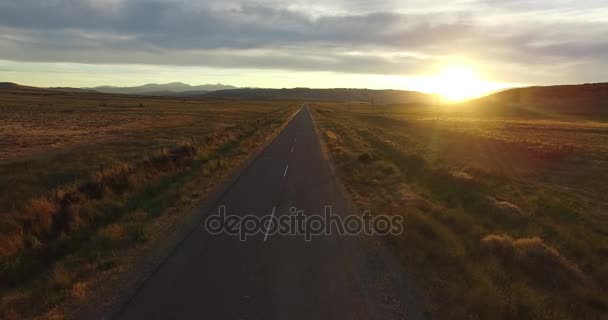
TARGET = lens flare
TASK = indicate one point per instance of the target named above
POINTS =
(457, 83)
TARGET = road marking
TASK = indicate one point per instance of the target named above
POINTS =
(294, 139)
(291, 149)
(268, 229)
(285, 173)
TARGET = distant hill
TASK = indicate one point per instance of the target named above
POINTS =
(306, 94)
(8, 85)
(588, 100)
(358, 95)
(69, 89)
(18, 89)
(189, 93)
(169, 88)
(13, 86)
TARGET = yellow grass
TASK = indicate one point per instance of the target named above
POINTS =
(505, 212)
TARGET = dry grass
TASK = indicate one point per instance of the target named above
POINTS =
(61, 277)
(75, 216)
(463, 181)
(112, 235)
(80, 291)
(540, 260)
(51, 139)
(52, 216)
(506, 207)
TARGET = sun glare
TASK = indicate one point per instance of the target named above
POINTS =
(458, 83)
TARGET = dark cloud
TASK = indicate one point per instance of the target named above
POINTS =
(127, 51)
(177, 25)
(265, 36)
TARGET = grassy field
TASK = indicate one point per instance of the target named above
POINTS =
(91, 180)
(506, 211)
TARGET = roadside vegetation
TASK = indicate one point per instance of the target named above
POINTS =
(90, 181)
(505, 210)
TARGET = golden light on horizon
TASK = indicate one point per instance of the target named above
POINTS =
(456, 83)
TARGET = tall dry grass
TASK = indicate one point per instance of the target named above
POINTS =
(503, 218)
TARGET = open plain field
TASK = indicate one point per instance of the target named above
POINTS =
(56, 137)
(90, 180)
(506, 212)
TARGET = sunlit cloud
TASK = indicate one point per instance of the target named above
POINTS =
(505, 42)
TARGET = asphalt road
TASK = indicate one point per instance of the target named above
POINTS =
(278, 277)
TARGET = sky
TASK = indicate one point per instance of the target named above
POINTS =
(410, 45)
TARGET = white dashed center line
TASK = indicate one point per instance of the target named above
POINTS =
(285, 173)
(268, 227)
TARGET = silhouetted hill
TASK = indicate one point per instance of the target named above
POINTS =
(13, 86)
(9, 86)
(588, 100)
(169, 88)
(17, 88)
(188, 93)
(69, 89)
(360, 95)
(306, 94)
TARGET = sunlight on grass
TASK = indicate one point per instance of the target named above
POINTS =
(499, 220)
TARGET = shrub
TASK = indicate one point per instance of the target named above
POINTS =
(40, 214)
(137, 232)
(409, 198)
(505, 207)
(498, 244)
(80, 291)
(61, 277)
(73, 220)
(464, 179)
(11, 236)
(385, 168)
(536, 254)
(112, 235)
(538, 259)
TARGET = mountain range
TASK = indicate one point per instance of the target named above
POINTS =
(179, 89)
(174, 88)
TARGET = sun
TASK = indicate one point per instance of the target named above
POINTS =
(457, 83)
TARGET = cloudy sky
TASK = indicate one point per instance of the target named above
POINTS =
(317, 43)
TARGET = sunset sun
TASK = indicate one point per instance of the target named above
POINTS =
(457, 83)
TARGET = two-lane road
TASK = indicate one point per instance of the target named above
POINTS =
(273, 276)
